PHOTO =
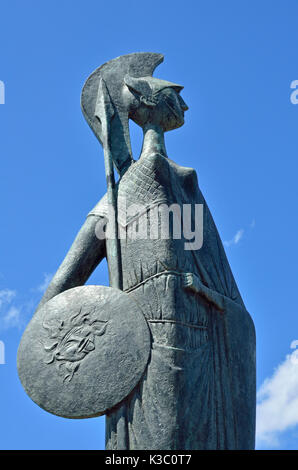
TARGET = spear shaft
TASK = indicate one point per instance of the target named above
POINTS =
(104, 111)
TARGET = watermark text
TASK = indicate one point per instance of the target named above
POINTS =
(157, 222)
(2, 92)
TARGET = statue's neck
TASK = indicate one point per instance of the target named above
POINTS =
(153, 141)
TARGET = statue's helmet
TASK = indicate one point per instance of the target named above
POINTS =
(150, 86)
(132, 70)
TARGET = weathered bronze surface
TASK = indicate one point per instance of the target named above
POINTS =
(196, 390)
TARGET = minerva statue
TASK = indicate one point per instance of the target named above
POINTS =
(167, 351)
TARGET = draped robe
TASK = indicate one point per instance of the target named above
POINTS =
(198, 390)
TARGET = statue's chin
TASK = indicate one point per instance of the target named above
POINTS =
(175, 125)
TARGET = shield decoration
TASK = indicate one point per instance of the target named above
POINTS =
(84, 351)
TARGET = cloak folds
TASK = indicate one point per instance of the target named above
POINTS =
(198, 391)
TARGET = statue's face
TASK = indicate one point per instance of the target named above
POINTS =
(170, 109)
(167, 110)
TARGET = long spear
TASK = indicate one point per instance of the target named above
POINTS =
(104, 111)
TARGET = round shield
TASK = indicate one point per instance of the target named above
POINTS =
(84, 351)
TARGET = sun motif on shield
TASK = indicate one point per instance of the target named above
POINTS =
(72, 340)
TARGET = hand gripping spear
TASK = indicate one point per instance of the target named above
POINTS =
(104, 111)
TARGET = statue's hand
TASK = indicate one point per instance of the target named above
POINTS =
(188, 281)
(192, 282)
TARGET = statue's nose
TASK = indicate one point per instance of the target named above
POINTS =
(183, 104)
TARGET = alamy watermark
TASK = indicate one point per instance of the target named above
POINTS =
(2, 92)
(160, 221)
(2, 353)
(294, 94)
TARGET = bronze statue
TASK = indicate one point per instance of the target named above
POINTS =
(193, 386)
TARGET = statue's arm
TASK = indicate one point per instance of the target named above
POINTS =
(86, 252)
(192, 283)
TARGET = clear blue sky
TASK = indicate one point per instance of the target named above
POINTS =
(236, 61)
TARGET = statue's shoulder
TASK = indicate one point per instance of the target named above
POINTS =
(150, 173)
(101, 208)
(184, 172)
(158, 166)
